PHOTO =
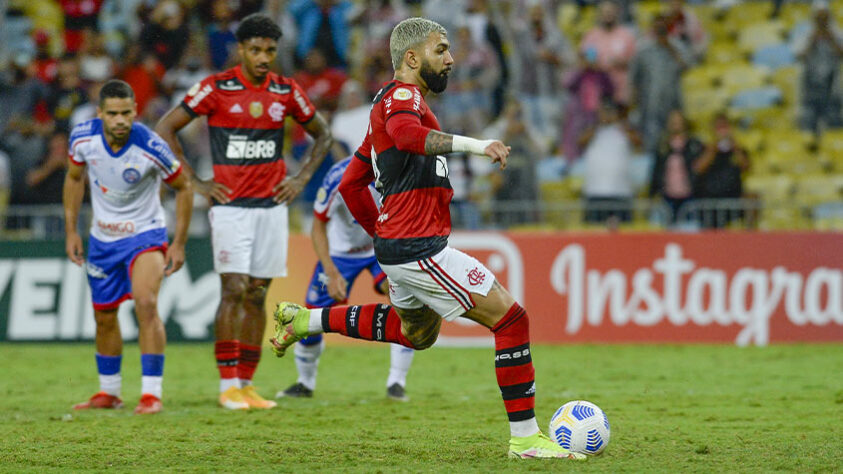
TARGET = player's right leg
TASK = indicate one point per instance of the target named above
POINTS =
(109, 287)
(109, 358)
(227, 346)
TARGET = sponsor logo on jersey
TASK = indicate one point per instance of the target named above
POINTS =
(131, 175)
(402, 93)
(194, 89)
(235, 109)
(255, 109)
(224, 256)
(305, 109)
(383, 217)
(276, 111)
(199, 96)
(116, 229)
(239, 147)
(278, 88)
(321, 195)
(476, 277)
(230, 85)
(159, 146)
(417, 100)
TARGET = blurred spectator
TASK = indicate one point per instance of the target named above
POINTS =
(466, 106)
(589, 87)
(46, 179)
(94, 62)
(541, 52)
(21, 93)
(5, 186)
(486, 23)
(608, 183)
(820, 51)
(23, 140)
(221, 40)
(191, 69)
(322, 24)
(615, 46)
(718, 173)
(121, 22)
(45, 64)
(144, 73)
(167, 34)
(683, 24)
(79, 15)
(87, 110)
(321, 83)
(518, 183)
(655, 74)
(66, 93)
(673, 170)
(351, 121)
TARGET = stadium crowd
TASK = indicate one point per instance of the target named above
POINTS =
(607, 101)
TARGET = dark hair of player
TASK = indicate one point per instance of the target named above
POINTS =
(116, 89)
(257, 25)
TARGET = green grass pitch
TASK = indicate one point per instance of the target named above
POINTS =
(672, 408)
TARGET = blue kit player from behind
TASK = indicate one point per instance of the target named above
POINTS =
(344, 250)
(128, 254)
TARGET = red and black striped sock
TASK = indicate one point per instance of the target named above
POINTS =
(513, 364)
(227, 354)
(372, 322)
(248, 362)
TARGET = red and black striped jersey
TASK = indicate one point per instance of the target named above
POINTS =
(414, 221)
(246, 124)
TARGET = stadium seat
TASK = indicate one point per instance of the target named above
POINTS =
(813, 189)
(757, 98)
(753, 36)
(773, 187)
(787, 79)
(774, 56)
(741, 77)
(752, 140)
(724, 52)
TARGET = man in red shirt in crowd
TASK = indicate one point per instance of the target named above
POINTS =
(428, 280)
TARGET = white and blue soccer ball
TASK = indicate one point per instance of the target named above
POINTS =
(581, 427)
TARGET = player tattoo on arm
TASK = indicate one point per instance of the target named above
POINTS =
(437, 143)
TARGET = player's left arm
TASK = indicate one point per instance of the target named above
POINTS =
(184, 207)
(292, 186)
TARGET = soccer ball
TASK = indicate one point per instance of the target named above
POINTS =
(581, 427)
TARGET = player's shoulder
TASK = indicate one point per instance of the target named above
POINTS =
(145, 138)
(280, 85)
(334, 175)
(86, 129)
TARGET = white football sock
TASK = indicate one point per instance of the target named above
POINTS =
(111, 384)
(523, 428)
(225, 384)
(151, 384)
(314, 325)
(307, 362)
(399, 364)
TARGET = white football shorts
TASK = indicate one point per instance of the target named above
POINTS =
(444, 282)
(250, 240)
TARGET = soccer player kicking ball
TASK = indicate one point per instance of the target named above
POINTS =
(128, 255)
(246, 107)
(428, 279)
(344, 250)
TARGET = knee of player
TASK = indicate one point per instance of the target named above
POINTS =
(234, 288)
(426, 336)
(146, 305)
(256, 294)
(106, 319)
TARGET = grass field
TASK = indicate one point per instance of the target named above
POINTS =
(672, 408)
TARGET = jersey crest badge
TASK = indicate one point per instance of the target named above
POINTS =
(276, 111)
(402, 94)
(255, 109)
(131, 175)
